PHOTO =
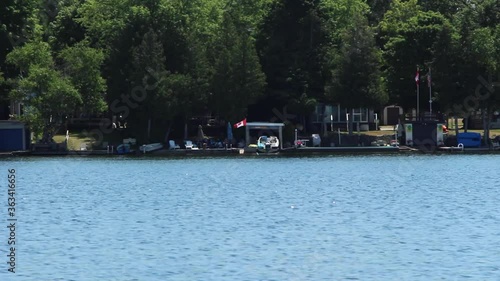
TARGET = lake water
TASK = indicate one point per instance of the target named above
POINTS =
(411, 217)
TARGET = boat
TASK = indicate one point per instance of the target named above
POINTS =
(268, 144)
(150, 147)
(124, 148)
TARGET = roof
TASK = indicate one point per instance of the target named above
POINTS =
(263, 125)
(11, 124)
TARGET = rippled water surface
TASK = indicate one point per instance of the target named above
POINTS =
(323, 218)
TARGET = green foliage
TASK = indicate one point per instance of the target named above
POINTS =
(410, 37)
(356, 78)
(148, 80)
(82, 64)
(338, 15)
(66, 29)
(292, 61)
(33, 53)
(238, 79)
(103, 19)
(223, 56)
(47, 90)
(377, 10)
(49, 95)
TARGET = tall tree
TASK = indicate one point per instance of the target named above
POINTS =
(17, 20)
(149, 69)
(409, 36)
(484, 49)
(290, 45)
(67, 30)
(83, 65)
(47, 94)
(238, 79)
(356, 79)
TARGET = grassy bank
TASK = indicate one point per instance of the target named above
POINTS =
(78, 139)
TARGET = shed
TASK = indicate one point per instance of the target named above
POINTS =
(424, 133)
(13, 136)
(268, 127)
(391, 114)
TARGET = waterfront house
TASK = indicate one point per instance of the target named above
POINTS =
(332, 117)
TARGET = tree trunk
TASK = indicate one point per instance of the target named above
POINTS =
(167, 134)
(149, 129)
(485, 126)
(304, 123)
(185, 129)
(488, 126)
(311, 30)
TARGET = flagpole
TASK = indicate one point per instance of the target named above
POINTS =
(429, 81)
(417, 81)
(418, 100)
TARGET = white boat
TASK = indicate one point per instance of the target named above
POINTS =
(150, 147)
(268, 144)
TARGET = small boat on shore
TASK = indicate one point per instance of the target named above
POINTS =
(124, 148)
(145, 148)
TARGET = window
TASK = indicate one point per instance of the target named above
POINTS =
(318, 113)
(328, 113)
(336, 113)
(360, 115)
(342, 117)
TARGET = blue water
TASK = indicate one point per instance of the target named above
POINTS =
(324, 218)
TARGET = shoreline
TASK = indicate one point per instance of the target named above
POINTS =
(245, 152)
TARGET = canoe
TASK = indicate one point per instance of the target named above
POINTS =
(145, 148)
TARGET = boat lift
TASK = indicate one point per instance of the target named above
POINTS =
(267, 127)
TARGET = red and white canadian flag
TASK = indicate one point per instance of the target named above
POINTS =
(240, 124)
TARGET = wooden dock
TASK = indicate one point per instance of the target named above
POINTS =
(342, 149)
(302, 151)
(451, 149)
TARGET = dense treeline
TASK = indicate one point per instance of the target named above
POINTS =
(158, 61)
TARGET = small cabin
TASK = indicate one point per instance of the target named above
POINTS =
(423, 133)
(391, 114)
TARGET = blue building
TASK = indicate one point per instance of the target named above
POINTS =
(13, 136)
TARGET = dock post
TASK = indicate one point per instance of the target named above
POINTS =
(247, 136)
(281, 137)
(295, 137)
